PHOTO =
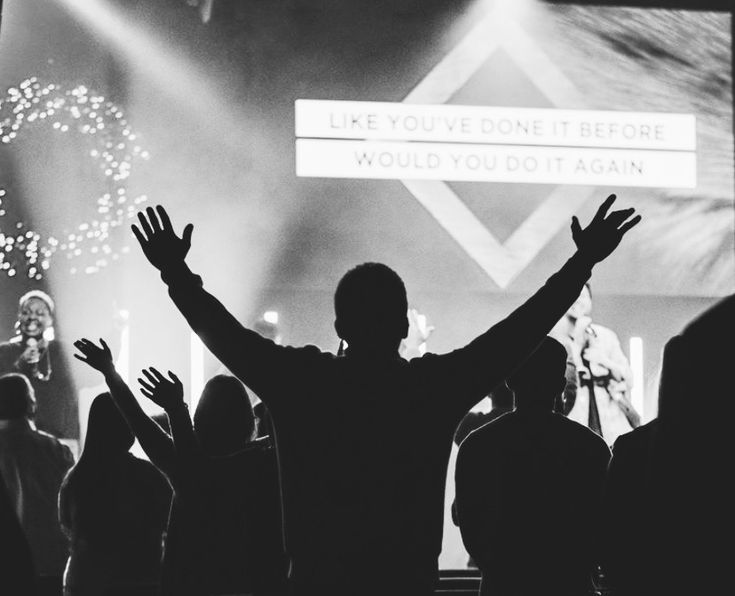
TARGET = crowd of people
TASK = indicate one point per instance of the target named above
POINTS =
(340, 488)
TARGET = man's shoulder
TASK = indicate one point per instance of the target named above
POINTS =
(52, 444)
(310, 351)
(582, 434)
(634, 440)
(492, 431)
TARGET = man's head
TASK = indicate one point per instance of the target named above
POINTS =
(35, 313)
(582, 306)
(17, 399)
(539, 381)
(371, 308)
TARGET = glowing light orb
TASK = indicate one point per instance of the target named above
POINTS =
(70, 111)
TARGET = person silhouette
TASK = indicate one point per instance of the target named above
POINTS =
(690, 475)
(529, 486)
(628, 547)
(224, 534)
(33, 464)
(364, 498)
(113, 508)
(17, 575)
(37, 352)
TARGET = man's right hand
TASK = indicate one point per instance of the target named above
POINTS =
(602, 236)
(160, 244)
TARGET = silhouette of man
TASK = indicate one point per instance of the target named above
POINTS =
(364, 498)
(528, 489)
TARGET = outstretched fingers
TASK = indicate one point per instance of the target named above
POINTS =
(145, 385)
(153, 219)
(604, 208)
(142, 240)
(630, 224)
(186, 236)
(175, 379)
(165, 219)
(154, 381)
(145, 225)
(159, 377)
(616, 218)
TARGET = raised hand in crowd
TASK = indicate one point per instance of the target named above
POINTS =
(156, 444)
(160, 244)
(166, 393)
(604, 233)
(98, 357)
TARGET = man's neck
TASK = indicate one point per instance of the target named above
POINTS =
(372, 352)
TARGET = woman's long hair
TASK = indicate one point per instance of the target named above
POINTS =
(224, 421)
(88, 484)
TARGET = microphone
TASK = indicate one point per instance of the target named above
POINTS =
(32, 343)
(33, 359)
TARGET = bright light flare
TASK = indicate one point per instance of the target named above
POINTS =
(158, 61)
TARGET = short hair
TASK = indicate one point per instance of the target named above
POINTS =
(17, 399)
(543, 376)
(371, 297)
(41, 296)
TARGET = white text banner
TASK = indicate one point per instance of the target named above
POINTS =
(384, 121)
(495, 163)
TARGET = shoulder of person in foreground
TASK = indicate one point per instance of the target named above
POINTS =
(54, 447)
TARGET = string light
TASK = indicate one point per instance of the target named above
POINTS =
(113, 148)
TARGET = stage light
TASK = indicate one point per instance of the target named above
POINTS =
(271, 316)
(151, 54)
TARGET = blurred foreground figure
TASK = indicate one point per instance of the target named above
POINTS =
(529, 486)
(113, 508)
(678, 471)
(224, 532)
(35, 353)
(33, 464)
(17, 575)
(364, 439)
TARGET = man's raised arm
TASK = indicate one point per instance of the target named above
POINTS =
(493, 356)
(248, 355)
